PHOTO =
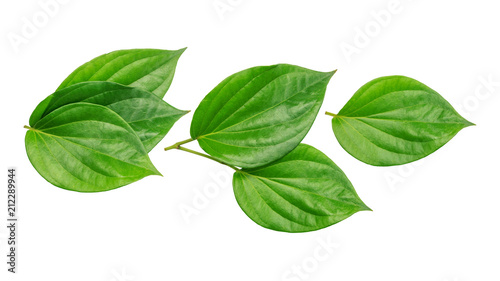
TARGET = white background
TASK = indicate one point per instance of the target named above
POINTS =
(434, 220)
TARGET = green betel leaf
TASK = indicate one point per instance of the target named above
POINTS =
(260, 114)
(395, 120)
(149, 69)
(88, 148)
(303, 191)
(150, 116)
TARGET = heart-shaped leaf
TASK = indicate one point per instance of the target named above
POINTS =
(303, 191)
(395, 120)
(260, 114)
(150, 116)
(88, 148)
(149, 69)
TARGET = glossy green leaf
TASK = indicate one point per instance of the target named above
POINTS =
(303, 191)
(88, 148)
(395, 120)
(150, 116)
(149, 69)
(260, 114)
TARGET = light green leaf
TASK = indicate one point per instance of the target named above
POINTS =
(88, 148)
(260, 114)
(395, 120)
(303, 191)
(149, 69)
(147, 114)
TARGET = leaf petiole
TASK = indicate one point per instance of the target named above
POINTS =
(31, 129)
(207, 156)
(178, 144)
(330, 114)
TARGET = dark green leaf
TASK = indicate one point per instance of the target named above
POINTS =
(147, 114)
(149, 69)
(88, 148)
(395, 120)
(260, 114)
(303, 191)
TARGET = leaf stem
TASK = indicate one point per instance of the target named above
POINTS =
(331, 114)
(207, 156)
(178, 144)
(31, 129)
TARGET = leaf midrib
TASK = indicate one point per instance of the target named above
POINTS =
(303, 191)
(62, 166)
(381, 96)
(234, 95)
(97, 172)
(275, 211)
(88, 148)
(125, 54)
(268, 109)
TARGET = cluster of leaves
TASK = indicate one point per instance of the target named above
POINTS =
(94, 133)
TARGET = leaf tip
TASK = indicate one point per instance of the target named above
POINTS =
(155, 171)
(468, 124)
(329, 75)
(363, 206)
(183, 112)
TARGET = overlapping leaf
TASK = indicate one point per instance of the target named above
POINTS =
(260, 114)
(147, 114)
(303, 191)
(148, 69)
(395, 120)
(88, 148)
